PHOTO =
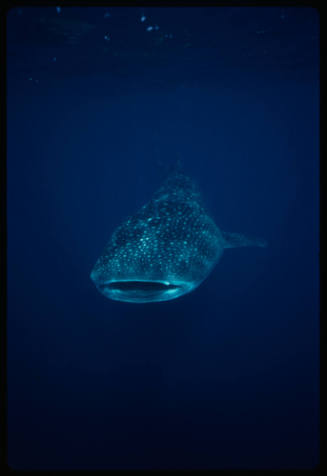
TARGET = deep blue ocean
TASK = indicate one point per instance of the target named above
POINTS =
(101, 105)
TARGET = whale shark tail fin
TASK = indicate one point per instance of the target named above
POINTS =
(236, 240)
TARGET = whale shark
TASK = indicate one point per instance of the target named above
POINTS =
(166, 249)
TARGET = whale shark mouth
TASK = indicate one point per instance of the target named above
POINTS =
(141, 291)
(143, 286)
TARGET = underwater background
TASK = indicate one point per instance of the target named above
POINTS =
(101, 105)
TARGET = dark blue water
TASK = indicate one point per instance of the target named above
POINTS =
(99, 111)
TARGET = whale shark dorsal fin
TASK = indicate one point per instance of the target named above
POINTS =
(236, 240)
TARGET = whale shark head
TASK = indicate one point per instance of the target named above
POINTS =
(163, 251)
(166, 249)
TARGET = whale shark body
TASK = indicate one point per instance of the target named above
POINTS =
(166, 249)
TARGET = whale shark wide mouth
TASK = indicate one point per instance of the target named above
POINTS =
(141, 291)
(142, 286)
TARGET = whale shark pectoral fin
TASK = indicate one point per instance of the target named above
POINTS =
(236, 240)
